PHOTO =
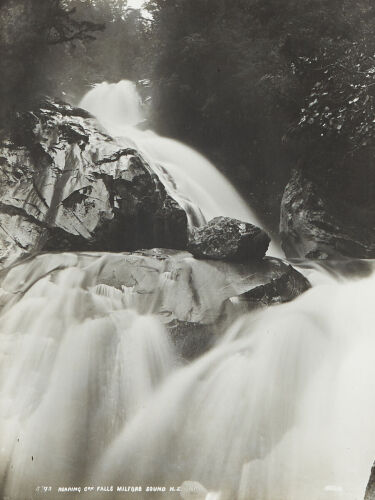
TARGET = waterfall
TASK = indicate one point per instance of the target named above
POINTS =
(190, 178)
(77, 361)
(94, 394)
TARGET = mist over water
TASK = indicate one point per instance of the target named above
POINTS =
(93, 392)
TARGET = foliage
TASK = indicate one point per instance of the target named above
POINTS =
(264, 85)
(27, 28)
(341, 104)
(118, 53)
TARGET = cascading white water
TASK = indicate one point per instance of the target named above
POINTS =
(76, 364)
(190, 178)
(282, 409)
(92, 392)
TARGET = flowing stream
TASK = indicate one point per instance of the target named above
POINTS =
(93, 394)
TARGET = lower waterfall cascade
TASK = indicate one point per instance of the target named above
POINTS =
(94, 394)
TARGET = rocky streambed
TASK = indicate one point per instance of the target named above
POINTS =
(66, 186)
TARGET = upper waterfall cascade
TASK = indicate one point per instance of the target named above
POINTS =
(188, 176)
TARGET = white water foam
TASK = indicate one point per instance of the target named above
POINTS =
(282, 409)
(91, 393)
(76, 363)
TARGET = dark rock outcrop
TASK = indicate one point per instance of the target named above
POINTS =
(315, 225)
(283, 288)
(224, 238)
(370, 490)
(65, 185)
(195, 299)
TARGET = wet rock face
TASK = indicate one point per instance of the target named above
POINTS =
(313, 225)
(228, 239)
(370, 490)
(64, 185)
(195, 299)
(284, 287)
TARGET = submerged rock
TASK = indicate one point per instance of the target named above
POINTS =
(65, 185)
(313, 225)
(228, 239)
(195, 299)
(283, 288)
(193, 339)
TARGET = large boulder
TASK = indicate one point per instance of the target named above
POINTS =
(228, 239)
(314, 224)
(195, 299)
(65, 185)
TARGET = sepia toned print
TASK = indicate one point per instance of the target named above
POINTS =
(187, 245)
